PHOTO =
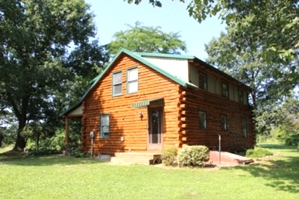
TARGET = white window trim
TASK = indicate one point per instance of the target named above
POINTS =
(132, 81)
(116, 84)
(102, 135)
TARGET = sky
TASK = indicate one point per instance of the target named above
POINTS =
(112, 16)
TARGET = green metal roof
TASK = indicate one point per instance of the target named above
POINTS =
(173, 56)
(152, 102)
(138, 57)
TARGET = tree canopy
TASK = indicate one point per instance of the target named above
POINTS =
(36, 39)
(141, 38)
(273, 23)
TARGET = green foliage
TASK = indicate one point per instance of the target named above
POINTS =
(258, 153)
(147, 39)
(292, 140)
(78, 153)
(193, 155)
(273, 178)
(273, 25)
(169, 156)
(38, 69)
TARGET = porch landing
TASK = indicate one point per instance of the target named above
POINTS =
(155, 157)
(228, 159)
(146, 157)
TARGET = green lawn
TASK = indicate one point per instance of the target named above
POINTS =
(67, 177)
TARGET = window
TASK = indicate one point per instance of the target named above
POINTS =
(105, 126)
(132, 80)
(117, 83)
(224, 122)
(202, 120)
(225, 90)
(240, 96)
(202, 81)
(244, 127)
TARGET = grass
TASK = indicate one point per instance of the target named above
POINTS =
(57, 177)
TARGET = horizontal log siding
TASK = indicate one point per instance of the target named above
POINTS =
(215, 106)
(124, 120)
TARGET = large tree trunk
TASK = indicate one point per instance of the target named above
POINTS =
(20, 141)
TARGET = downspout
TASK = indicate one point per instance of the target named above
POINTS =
(219, 142)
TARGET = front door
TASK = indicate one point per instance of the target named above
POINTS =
(155, 129)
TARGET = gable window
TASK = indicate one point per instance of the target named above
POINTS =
(104, 126)
(116, 83)
(244, 127)
(240, 96)
(203, 81)
(132, 80)
(202, 120)
(223, 122)
(224, 89)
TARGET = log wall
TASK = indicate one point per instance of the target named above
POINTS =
(124, 120)
(232, 139)
(180, 113)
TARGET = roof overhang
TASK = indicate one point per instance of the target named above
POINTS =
(151, 102)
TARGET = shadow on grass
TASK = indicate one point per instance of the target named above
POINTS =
(280, 170)
(23, 159)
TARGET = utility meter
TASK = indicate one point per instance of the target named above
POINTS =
(91, 134)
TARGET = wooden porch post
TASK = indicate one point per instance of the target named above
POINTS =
(66, 138)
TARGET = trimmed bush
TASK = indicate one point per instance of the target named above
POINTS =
(292, 140)
(193, 155)
(169, 156)
(257, 153)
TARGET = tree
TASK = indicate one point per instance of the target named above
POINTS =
(273, 23)
(35, 40)
(146, 39)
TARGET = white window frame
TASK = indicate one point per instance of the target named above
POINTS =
(131, 80)
(104, 125)
(116, 83)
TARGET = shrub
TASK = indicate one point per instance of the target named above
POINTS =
(193, 155)
(292, 140)
(78, 153)
(169, 156)
(257, 153)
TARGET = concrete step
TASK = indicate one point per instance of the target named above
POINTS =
(146, 158)
(228, 158)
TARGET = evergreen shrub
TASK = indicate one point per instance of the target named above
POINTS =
(194, 155)
(169, 156)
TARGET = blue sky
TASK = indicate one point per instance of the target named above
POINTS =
(113, 15)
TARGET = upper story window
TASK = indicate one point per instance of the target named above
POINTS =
(244, 127)
(223, 122)
(105, 126)
(202, 80)
(240, 96)
(132, 80)
(225, 90)
(116, 83)
(202, 120)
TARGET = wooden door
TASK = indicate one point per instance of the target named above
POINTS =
(155, 136)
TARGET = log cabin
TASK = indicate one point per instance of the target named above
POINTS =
(150, 101)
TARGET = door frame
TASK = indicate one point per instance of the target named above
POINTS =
(159, 145)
